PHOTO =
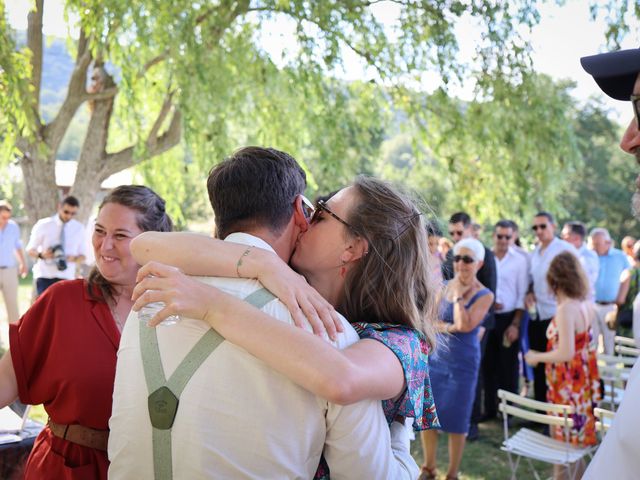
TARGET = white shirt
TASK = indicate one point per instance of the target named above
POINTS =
(240, 419)
(46, 234)
(512, 281)
(618, 456)
(545, 300)
(591, 264)
(636, 320)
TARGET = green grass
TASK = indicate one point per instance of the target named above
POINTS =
(482, 459)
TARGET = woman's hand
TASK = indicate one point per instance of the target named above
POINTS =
(182, 295)
(302, 300)
(531, 357)
(458, 290)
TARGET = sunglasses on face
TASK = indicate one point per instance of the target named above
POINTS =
(464, 258)
(503, 237)
(307, 208)
(635, 101)
(542, 226)
(456, 233)
(69, 212)
(322, 207)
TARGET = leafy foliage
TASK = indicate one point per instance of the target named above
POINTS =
(202, 65)
(599, 193)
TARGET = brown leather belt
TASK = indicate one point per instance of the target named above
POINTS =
(81, 435)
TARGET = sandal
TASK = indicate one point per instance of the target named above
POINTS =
(428, 473)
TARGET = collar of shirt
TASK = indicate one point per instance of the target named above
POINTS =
(248, 239)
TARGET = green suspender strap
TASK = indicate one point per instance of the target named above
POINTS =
(164, 395)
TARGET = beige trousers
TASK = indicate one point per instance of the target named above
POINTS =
(9, 287)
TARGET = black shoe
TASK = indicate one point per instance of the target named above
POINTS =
(473, 433)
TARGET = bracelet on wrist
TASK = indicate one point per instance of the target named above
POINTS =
(239, 263)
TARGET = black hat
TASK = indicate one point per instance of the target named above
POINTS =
(614, 72)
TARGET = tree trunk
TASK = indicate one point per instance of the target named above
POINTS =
(41, 193)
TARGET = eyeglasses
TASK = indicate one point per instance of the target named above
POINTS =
(322, 206)
(635, 100)
(542, 226)
(503, 237)
(464, 258)
(307, 208)
(455, 233)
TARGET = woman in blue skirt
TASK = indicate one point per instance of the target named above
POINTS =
(454, 366)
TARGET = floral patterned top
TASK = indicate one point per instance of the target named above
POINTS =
(411, 348)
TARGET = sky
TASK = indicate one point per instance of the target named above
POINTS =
(565, 34)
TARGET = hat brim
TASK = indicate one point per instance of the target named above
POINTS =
(614, 72)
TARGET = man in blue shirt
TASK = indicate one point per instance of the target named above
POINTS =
(10, 251)
(612, 263)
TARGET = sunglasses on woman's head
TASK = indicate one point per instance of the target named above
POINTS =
(464, 258)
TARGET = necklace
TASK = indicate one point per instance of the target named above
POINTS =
(116, 317)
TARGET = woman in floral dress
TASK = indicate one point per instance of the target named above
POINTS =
(571, 368)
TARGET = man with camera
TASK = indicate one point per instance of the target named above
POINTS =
(58, 244)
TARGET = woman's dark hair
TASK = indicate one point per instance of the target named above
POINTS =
(392, 283)
(151, 216)
(566, 275)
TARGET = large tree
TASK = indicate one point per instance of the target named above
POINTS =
(153, 73)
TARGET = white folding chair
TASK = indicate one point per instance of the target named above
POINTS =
(624, 341)
(614, 372)
(603, 420)
(625, 346)
(533, 445)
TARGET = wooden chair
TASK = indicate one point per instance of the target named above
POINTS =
(533, 445)
(603, 420)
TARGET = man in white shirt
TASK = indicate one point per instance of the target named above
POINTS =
(58, 245)
(539, 292)
(617, 74)
(501, 357)
(575, 233)
(237, 418)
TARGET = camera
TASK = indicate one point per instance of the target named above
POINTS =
(59, 257)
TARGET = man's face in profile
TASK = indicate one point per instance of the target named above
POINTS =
(630, 143)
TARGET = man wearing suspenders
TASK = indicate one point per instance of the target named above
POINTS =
(221, 413)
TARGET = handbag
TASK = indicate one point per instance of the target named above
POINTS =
(624, 318)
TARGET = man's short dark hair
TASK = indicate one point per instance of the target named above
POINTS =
(461, 217)
(578, 228)
(547, 215)
(71, 201)
(503, 224)
(254, 187)
(514, 225)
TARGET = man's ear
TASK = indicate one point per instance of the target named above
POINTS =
(299, 218)
(480, 264)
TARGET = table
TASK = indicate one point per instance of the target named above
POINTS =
(14, 455)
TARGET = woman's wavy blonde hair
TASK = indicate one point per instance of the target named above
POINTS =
(393, 282)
